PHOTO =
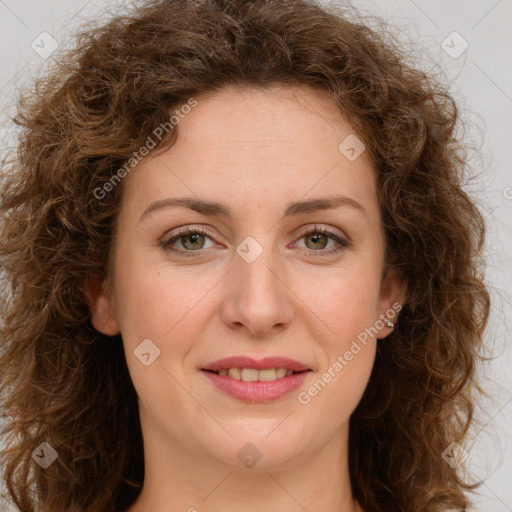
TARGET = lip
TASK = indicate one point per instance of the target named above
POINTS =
(261, 364)
(257, 391)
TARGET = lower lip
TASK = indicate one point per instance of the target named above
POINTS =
(257, 391)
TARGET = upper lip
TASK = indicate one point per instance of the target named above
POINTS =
(258, 364)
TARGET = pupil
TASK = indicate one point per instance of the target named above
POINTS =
(193, 237)
(315, 239)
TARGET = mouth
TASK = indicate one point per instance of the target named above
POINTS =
(251, 380)
(256, 386)
(255, 375)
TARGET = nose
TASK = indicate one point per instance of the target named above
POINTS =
(258, 299)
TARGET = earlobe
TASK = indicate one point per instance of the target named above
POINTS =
(392, 297)
(102, 312)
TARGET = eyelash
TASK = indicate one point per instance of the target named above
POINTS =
(343, 244)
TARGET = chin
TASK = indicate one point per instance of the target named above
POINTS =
(254, 450)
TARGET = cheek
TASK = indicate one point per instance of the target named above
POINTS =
(348, 307)
(156, 303)
(162, 311)
(348, 350)
(336, 392)
(148, 308)
(345, 301)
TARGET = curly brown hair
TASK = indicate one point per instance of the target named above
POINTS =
(63, 382)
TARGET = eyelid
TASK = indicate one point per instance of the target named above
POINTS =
(185, 230)
(342, 240)
(323, 229)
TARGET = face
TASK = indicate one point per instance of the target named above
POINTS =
(272, 271)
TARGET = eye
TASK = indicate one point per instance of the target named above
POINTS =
(317, 239)
(191, 240)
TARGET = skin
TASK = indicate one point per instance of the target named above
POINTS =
(255, 150)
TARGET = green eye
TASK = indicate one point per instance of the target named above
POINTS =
(193, 242)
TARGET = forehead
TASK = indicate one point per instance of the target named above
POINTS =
(258, 145)
(272, 120)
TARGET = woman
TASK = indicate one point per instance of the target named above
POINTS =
(243, 271)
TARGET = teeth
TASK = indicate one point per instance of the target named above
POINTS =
(250, 375)
(264, 375)
(235, 373)
(253, 375)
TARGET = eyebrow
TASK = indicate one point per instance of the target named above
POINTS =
(215, 209)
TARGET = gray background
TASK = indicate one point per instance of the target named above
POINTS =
(481, 80)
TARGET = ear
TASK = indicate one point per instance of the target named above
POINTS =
(100, 305)
(392, 297)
